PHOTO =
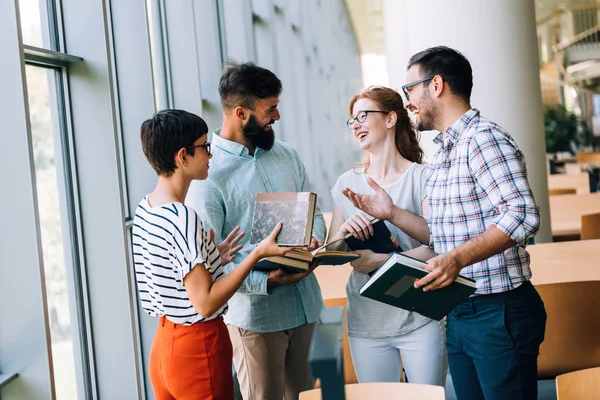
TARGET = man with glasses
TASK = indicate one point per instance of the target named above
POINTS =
(482, 216)
(271, 318)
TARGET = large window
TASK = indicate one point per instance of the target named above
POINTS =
(50, 225)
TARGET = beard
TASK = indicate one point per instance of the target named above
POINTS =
(257, 135)
(427, 114)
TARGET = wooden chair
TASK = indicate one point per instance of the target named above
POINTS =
(572, 341)
(387, 391)
(579, 385)
(590, 226)
(557, 192)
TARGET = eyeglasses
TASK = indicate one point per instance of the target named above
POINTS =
(206, 147)
(415, 83)
(362, 117)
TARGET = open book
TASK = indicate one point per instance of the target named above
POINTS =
(299, 259)
(393, 284)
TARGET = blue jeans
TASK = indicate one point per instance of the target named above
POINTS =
(493, 343)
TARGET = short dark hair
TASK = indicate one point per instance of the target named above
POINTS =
(167, 132)
(241, 84)
(450, 64)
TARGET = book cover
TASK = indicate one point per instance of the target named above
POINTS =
(393, 284)
(289, 264)
(296, 211)
(381, 242)
(299, 260)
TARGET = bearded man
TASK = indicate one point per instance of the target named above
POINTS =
(272, 316)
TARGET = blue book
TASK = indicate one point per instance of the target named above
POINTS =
(393, 284)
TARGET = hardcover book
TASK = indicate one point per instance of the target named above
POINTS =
(299, 260)
(393, 284)
(381, 242)
(296, 212)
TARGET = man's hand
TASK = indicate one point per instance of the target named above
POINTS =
(279, 277)
(227, 248)
(443, 270)
(378, 205)
(314, 244)
(368, 261)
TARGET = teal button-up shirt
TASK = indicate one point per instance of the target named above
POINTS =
(226, 199)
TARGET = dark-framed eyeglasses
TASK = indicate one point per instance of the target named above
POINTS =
(412, 84)
(362, 117)
(205, 146)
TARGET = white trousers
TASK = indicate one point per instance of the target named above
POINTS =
(422, 351)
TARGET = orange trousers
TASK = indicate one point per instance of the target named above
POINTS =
(191, 362)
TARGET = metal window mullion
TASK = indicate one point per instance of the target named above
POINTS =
(76, 237)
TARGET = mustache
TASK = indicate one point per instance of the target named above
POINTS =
(271, 122)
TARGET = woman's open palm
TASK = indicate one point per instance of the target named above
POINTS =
(228, 247)
(378, 205)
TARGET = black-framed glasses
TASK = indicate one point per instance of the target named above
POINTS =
(205, 146)
(415, 83)
(361, 117)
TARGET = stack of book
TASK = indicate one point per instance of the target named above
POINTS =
(296, 212)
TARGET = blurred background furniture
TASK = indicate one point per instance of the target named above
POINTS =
(579, 385)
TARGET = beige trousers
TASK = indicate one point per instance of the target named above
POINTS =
(272, 366)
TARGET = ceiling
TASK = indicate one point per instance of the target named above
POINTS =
(367, 19)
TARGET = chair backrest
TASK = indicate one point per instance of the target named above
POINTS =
(557, 192)
(590, 226)
(572, 340)
(579, 385)
(387, 391)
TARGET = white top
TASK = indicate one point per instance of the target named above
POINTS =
(168, 241)
(368, 318)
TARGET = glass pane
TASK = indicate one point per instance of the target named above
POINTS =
(57, 295)
(31, 23)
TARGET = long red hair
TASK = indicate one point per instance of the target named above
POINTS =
(405, 134)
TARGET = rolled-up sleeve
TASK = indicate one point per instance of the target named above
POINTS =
(498, 166)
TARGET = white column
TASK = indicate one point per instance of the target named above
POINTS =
(499, 39)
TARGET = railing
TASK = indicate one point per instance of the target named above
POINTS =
(568, 36)
(574, 25)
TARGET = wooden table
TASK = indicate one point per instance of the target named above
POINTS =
(566, 211)
(579, 182)
(576, 261)
(560, 262)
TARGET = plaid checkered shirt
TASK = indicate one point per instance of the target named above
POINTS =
(226, 199)
(479, 179)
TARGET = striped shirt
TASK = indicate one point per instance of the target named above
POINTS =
(226, 200)
(168, 241)
(368, 318)
(479, 180)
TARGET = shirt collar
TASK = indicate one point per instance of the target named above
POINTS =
(451, 135)
(227, 145)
